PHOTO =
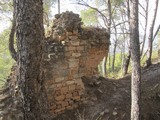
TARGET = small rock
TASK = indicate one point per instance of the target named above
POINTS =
(106, 110)
(100, 90)
(98, 83)
(114, 113)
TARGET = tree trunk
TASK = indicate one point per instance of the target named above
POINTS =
(104, 62)
(150, 38)
(30, 34)
(159, 49)
(135, 57)
(59, 7)
(114, 55)
(11, 36)
(146, 23)
(115, 44)
(126, 64)
(127, 60)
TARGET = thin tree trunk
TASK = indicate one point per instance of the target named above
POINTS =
(115, 45)
(104, 62)
(150, 38)
(145, 29)
(126, 64)
(114, 55)
(156, 33)
(30, 34)
(135, 57)
(109, 59)
(11, 36)
(127, 60)
(59, 7)
(159, 50)
(124, 43)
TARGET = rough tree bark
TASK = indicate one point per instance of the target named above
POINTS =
(135, 57)
(30, 34)
(11, 36)
(150, 37)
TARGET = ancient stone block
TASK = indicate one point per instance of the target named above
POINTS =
(71, 48)
(64, 89)
(59, 110)
(59, 79)
(57, 92)
(69, 107)
(77, 98)
(75, 93)
(72, 87)
(68, 95)
(80, 48)
(76, 54)
(75, 43)
(75, 37)
(64, 104)
(73, 64)
(59, 98)
(70, 82)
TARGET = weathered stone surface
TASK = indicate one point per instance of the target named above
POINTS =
(76, 54)
(72, 87)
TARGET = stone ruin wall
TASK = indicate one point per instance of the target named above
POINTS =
(71, 52)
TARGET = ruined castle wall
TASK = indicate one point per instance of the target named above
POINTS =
(71, 52)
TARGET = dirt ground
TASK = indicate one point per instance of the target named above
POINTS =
(110, 99)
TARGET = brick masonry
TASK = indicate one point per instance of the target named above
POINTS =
(70, 53)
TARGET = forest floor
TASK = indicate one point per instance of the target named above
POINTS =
(109, 99)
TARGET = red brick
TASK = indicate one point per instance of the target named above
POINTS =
(64, 89)
(68, 96)
(58, 98)
(72, 87)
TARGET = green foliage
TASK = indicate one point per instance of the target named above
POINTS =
(6, 6)
(47, 6)
(6, 61)
(117, 68)
(89, 16)
(118, 73)
(154, 58)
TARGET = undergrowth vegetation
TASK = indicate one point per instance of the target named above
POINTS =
(118, 69)
(6, 61)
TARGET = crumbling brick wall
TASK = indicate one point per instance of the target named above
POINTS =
(71, 52)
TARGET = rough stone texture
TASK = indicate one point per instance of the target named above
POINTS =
(10, 101)
(71, 52)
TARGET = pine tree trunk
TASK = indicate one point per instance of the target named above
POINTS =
(135, 57)
(145, 28)
(30, 34)
(114, 55)
(126, 64)
(104, 62)
(11, 36)
(59, 7)
(150, 37)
